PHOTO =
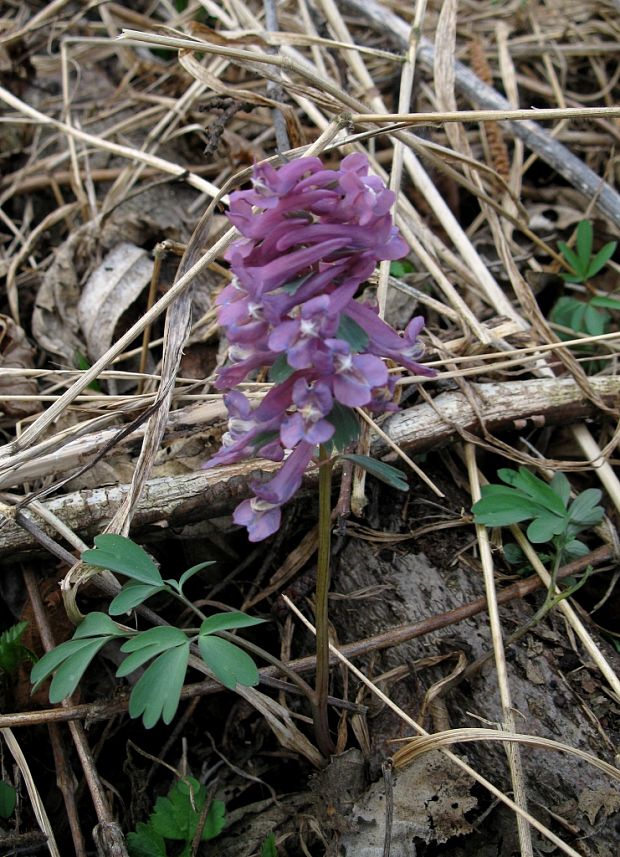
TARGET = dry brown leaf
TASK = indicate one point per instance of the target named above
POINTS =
(110, 290)
(429, 804)
(16, 353)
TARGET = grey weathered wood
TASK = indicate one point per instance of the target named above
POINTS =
(177, 500)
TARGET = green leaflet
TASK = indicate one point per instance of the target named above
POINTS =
(229, 664)
(228, 622)
(117, 553)
(280, 370)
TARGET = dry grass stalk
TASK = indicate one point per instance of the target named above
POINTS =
(514, 756)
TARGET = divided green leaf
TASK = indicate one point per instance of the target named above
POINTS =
(602, 258)
(191, 572)
(158, 691)
(177, 815)
(585, 236)
(584, 265)
(146, 842)
(70, 660)
(12, 650)
(268, 848)
(400, 268)
(525, 497)
(584, 510)
(131, 595)
(97, 625)
(606, 301)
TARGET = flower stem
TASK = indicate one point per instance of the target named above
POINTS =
(321, 723)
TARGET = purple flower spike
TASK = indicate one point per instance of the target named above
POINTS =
(311, 238)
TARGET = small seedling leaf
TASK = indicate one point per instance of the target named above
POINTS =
(177, 815)
(145, 841)
(8, 799)
(120, 554)
(268, 848)
(228, 622)
(131, 595)
(380, 470)
(158, 691)
(229, 664)
(602, 258)
(583, 243)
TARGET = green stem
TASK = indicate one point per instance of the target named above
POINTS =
(321, 723)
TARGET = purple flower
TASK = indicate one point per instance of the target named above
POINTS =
(311, 237)
(261, 518)
(308, 423)
(301, 338)
(354, 375)
(385, 341)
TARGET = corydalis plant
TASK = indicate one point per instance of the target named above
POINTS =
(312, 236)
